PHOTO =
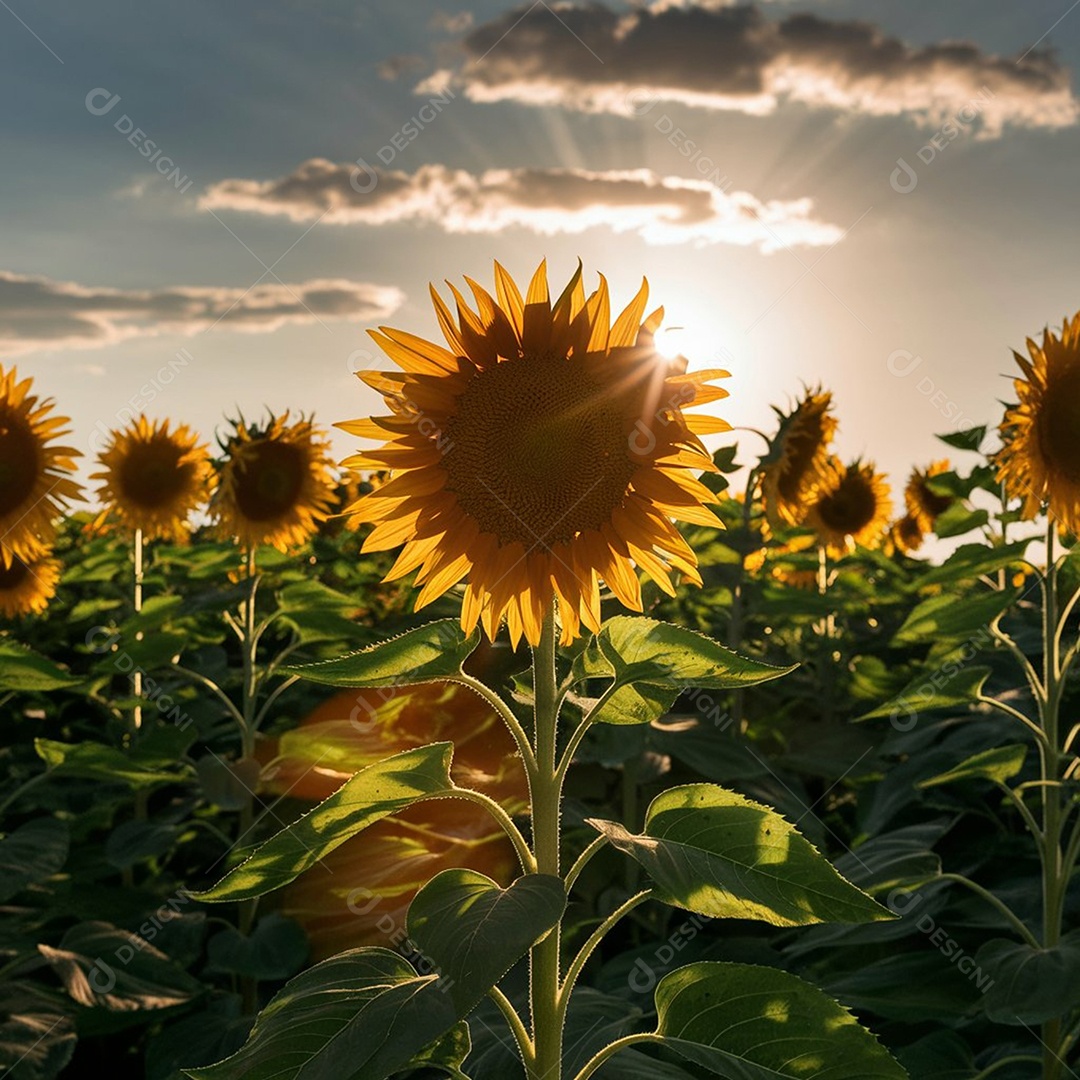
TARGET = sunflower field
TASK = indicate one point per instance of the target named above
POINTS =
(567, 729)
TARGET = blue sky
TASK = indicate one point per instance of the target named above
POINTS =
(558, 131)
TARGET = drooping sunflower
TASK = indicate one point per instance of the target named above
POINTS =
(856, 510)
(545, 450)
(153, 478)
(798, 466)
(907, 534)
(35, 484)
(27, 586)
(1040, 460)
(275, 484)
(923, 503)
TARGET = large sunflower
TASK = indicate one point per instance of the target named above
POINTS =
(153, 478)
(34, 485)
(275, 485)
(1040, 461)
(27, 586)
(856, 510)
(546, 450)
(798, 466)
(923, 503)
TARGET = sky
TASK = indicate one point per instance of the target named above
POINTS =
(206, 205)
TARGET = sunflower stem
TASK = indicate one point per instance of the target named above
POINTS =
(545, 796)
(136, 678)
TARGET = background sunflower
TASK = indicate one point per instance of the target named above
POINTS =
(855, 511)
(925, 505)
(153, 478)
(35, 483)
(275, 484)
(27, 586)
(1040, 460)
(545, 451)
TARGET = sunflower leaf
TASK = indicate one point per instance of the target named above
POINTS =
(372, 794)
(1001, 763)
(427, 654)
(972, 560)
(757, 1023)
(948, 616)
(718, 853)
(941, 689)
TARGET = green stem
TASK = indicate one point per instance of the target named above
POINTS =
(612, 1049)
(249, 644)
(545, 797)
(513, 1021)
(1014, 1060)
(1025, 813)
(594, 939)
(505, 822)
(1016, 714)
(1000, 905)
(582, 860)
(1054, 883)
(506, 714)
(136, 678)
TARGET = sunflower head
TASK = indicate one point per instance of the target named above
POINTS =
(925, 505)
(855, 510)
(544, 450)
(152, 478)
(27, 586)
(35, 481)
(907, 534)
(1039, 462)
(798, 466)
(274, 484)
(377, 873)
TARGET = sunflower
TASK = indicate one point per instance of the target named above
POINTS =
(376, 874)
(798, 466)
(1040, 461)
(26, 587)
(856, 510)
(34, 485)
(275, 485)
(924, 504)
(153, 478)
(543, 452)
(907, 534)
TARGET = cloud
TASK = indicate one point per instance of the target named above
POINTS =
(39, 313)
(712, 55)
(393, 67)
(660, 209)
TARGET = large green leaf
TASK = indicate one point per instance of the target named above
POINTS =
(959, 519)
(753, 1023)
(973, 560)
(652, 662)
(104, 967)
(1029, 985)
(370, 795)
(1001, 764)
(429, 653)
(31, 853)
(361, 1015)
(720, 854)
(473, 932)
(943, 688)
(94, 761)
(37, 1037)
(21, 669)
(951, 616)
(276, 949)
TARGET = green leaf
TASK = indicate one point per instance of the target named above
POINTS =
(968, 439)
(372, 794)
(108, 968)
(642, 655)
(276, 949)
(134, 841)
(33, 852)
(1001, 764)
(93, 761)
(363, 1013)
(448, 1052)
(21, 669)
(972, 560)
(37, 1038)
(951, 616)
(474, 932)
(1029, 985)
(959, 519)
(944, 688)
(754, 1023)
(720, 854)
(427, 654)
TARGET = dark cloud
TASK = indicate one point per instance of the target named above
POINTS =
(662, 210)
(39, 313)
(721, 57)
